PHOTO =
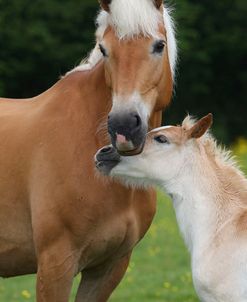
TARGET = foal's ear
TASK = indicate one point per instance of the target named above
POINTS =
(201, 126)
(105, 4)
(158, 3)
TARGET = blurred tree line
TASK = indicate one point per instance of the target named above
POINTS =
(41, 40)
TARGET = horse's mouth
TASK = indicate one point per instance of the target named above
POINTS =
(133, 152)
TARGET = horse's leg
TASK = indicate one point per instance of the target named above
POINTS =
(57, 266)
(98, 284)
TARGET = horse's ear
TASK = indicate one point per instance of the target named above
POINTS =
(201, 126)
(158, 3)
(105, 4)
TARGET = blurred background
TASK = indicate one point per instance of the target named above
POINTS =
(41, 40)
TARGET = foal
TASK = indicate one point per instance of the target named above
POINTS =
(209, 195)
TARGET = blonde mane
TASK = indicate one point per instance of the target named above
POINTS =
(131, 18)
(219, 153)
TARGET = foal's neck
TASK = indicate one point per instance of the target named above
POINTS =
(202, 204)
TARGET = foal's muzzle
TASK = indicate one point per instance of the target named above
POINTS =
(128, 133)
(106, 159)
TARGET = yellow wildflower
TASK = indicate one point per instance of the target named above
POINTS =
(26, 294)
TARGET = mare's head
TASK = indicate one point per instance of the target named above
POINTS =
(168, 152)
(137, 43)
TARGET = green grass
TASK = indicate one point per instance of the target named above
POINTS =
(159, 269)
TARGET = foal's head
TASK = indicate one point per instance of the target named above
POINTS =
(168, 150)
(136, 40)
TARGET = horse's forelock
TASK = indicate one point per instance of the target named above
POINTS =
(131, 18)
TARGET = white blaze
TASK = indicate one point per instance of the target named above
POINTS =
(132, 103)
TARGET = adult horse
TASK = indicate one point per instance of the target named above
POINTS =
(56, 217)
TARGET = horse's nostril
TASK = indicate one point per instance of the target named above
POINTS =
(106, 150)
(138, 121)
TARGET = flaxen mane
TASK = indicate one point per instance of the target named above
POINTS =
(233, 178)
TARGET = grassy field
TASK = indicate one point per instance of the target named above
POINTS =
(159, 269)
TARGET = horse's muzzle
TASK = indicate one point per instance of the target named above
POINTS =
(106, 159)
(128, 133)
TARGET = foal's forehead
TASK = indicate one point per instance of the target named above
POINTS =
(161, 129)
(174, 133)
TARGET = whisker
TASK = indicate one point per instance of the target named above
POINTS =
(102, 129)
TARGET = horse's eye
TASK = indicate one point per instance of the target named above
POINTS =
(162, 139)
(103, 50)
(159, 47)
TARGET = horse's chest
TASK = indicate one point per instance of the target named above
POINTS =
(111, 241)
(112, 230)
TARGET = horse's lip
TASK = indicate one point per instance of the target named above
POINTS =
(133, 152)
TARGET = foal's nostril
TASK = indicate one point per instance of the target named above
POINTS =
(106, 150)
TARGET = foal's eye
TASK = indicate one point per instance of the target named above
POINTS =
(162, 139)
(159, 46)
(103, 50)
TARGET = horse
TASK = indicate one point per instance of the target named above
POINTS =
(209, 195)
(57, 217)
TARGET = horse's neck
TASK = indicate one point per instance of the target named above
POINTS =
(90, 86)
(81, 97)
(200, 206)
